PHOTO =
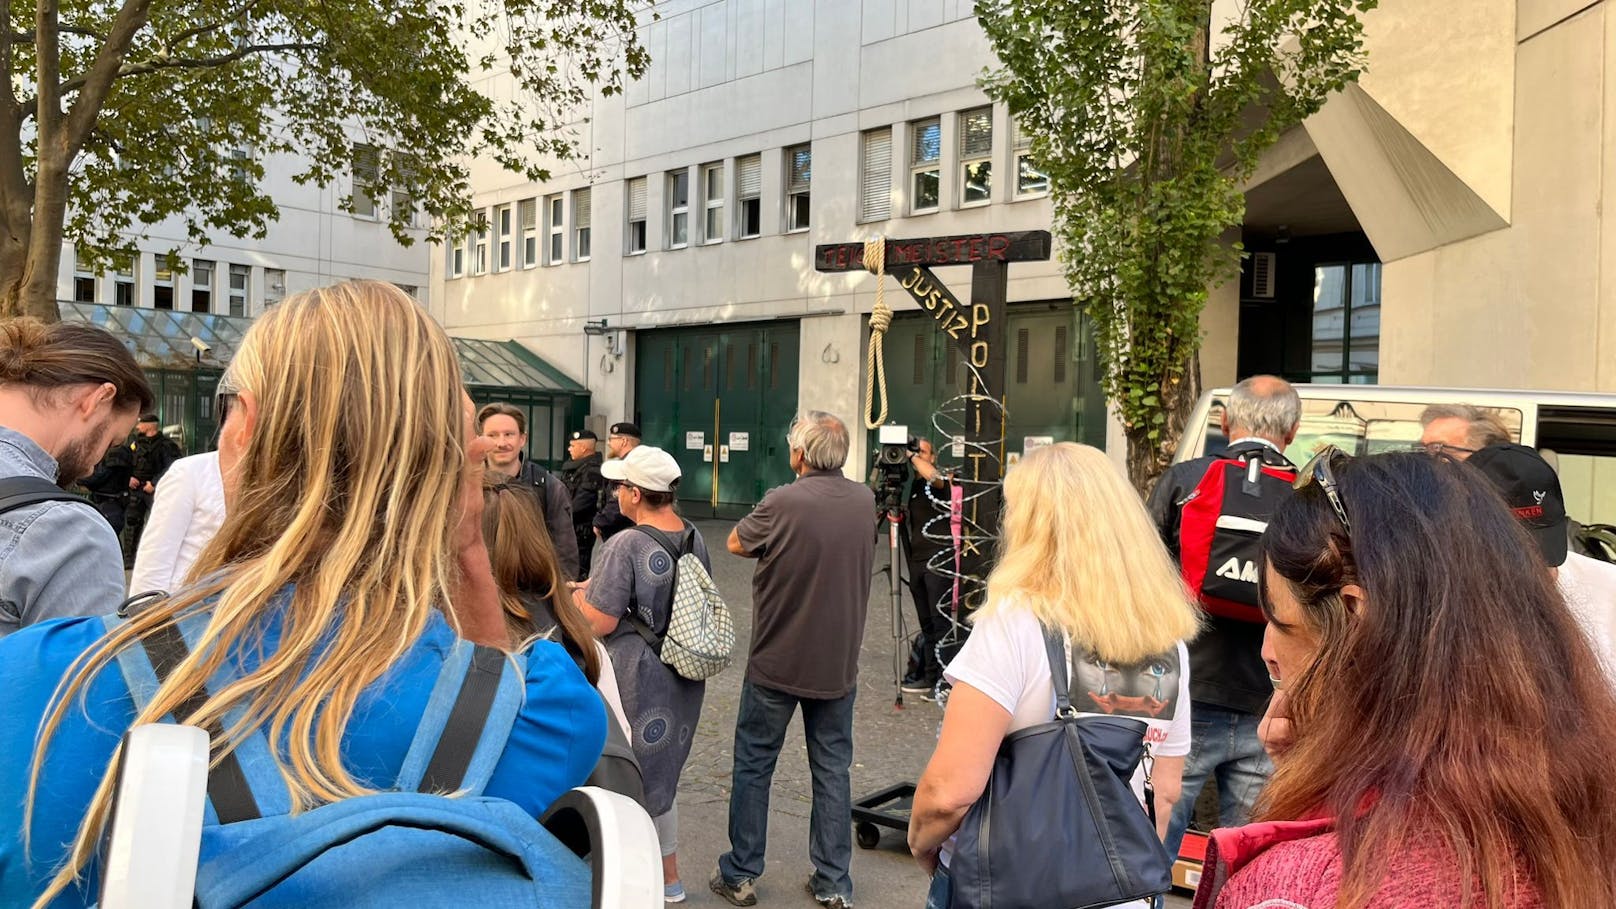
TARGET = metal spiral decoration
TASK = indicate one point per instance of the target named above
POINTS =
(949, 422)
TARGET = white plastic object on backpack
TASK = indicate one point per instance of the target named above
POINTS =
(623, 851)
(156, 831)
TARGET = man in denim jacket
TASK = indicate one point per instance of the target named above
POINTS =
(67, 392)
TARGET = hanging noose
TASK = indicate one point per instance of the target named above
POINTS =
(875, 259)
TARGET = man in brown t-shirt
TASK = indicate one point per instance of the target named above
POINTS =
(815, 544)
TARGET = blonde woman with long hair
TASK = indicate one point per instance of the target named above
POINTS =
(1078, 555)
(321, 613)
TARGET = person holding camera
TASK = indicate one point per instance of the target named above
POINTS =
(926, 531)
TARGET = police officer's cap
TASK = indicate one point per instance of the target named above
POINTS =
(625, 429)
(585, 435)
(147, 418)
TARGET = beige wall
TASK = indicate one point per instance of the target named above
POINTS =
(1534, 303)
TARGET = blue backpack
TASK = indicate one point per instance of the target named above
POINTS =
(406, 847)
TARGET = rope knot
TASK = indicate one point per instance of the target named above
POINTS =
(880, 319)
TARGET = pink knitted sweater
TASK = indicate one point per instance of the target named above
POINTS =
(1297, 865)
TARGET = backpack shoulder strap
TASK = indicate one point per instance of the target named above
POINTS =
(467, 720)
(232, 793)
(18, 492)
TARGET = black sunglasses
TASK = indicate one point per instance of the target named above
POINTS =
(1319, 469)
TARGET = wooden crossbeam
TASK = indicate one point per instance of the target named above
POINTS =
(965, 249)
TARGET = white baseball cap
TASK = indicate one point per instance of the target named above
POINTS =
(646, 467)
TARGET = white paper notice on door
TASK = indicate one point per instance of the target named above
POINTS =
(1030, 444)
(740, 441)
(695, 441)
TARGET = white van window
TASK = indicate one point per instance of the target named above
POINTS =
(1356, 427)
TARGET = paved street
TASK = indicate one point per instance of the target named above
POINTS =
(889, 746)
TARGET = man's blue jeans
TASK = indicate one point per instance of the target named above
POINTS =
(760, 729)
(1222, 743)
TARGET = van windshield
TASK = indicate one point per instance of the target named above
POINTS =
(1356, 427)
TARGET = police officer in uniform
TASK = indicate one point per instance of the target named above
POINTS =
(581, 473)
(621, 439)
(109, 485)
(153, 453)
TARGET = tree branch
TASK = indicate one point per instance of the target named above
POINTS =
(49, 72)
(161, 63)
(200, 30)
(28, 37)
(93, 88)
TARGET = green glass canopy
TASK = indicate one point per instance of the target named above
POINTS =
(163, 340)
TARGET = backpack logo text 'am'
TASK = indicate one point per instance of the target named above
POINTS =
(1235, 570)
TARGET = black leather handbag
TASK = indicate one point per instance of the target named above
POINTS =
(1059, 826)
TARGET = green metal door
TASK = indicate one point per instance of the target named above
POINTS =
(719, 399)
(1051, 383)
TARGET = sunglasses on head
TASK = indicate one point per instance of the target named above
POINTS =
(1320, 469)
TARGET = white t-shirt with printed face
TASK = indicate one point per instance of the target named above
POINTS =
(1004, 658)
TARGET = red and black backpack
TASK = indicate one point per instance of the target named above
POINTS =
(1221, 525)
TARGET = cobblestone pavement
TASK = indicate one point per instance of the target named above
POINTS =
(889, 746)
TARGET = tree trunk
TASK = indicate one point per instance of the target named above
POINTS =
(13, 262)
(1147, 460)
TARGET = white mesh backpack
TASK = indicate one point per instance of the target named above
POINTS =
(700, 635)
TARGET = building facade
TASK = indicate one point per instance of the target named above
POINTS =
(672, 268)
(314, 242)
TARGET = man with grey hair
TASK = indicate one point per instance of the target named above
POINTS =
(1461, 430)
(814, 540)
(1229, 685)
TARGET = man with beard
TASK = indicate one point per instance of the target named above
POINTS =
(506, 426)
(67, 392)
(581, 473)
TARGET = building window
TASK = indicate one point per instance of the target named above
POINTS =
(712, 179)
(749, 194)
(875, 198)
(799, 162)
(925, 165)
(1030, 181)
(479, 249)
(240, 161)
(84, 279)
(527, 223)
(502, 238)
(557, 226)
(581, 201)
(410, 290)
(201, 285)
(1346, 323)
(678, 209)
(162, 283)
(457, 256)
(366, 175)
(635, 209)
(400, 198)
(976, 156)
(123, 278)
(240, 278)
(274, 285)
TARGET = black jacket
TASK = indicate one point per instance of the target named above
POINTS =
(153, 457)
(111, 477)
(557, 513)
(1226, 667)
(584, 481)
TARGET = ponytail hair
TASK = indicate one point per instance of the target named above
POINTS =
(46, 358)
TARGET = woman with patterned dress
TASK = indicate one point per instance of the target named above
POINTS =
(635, 572)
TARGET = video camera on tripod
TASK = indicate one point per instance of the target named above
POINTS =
(891, 471)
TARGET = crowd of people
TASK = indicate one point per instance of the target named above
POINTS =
(1404, 715)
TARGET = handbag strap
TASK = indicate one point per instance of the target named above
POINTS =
(1055, 649)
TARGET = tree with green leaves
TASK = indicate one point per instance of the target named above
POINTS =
(1148, 122)
(117, 115)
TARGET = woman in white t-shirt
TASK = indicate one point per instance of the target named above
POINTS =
(1078, 554)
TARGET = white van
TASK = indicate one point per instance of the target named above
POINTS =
(1575, 431)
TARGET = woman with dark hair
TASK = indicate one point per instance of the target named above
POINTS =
(532, 591)
(1439, 719)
